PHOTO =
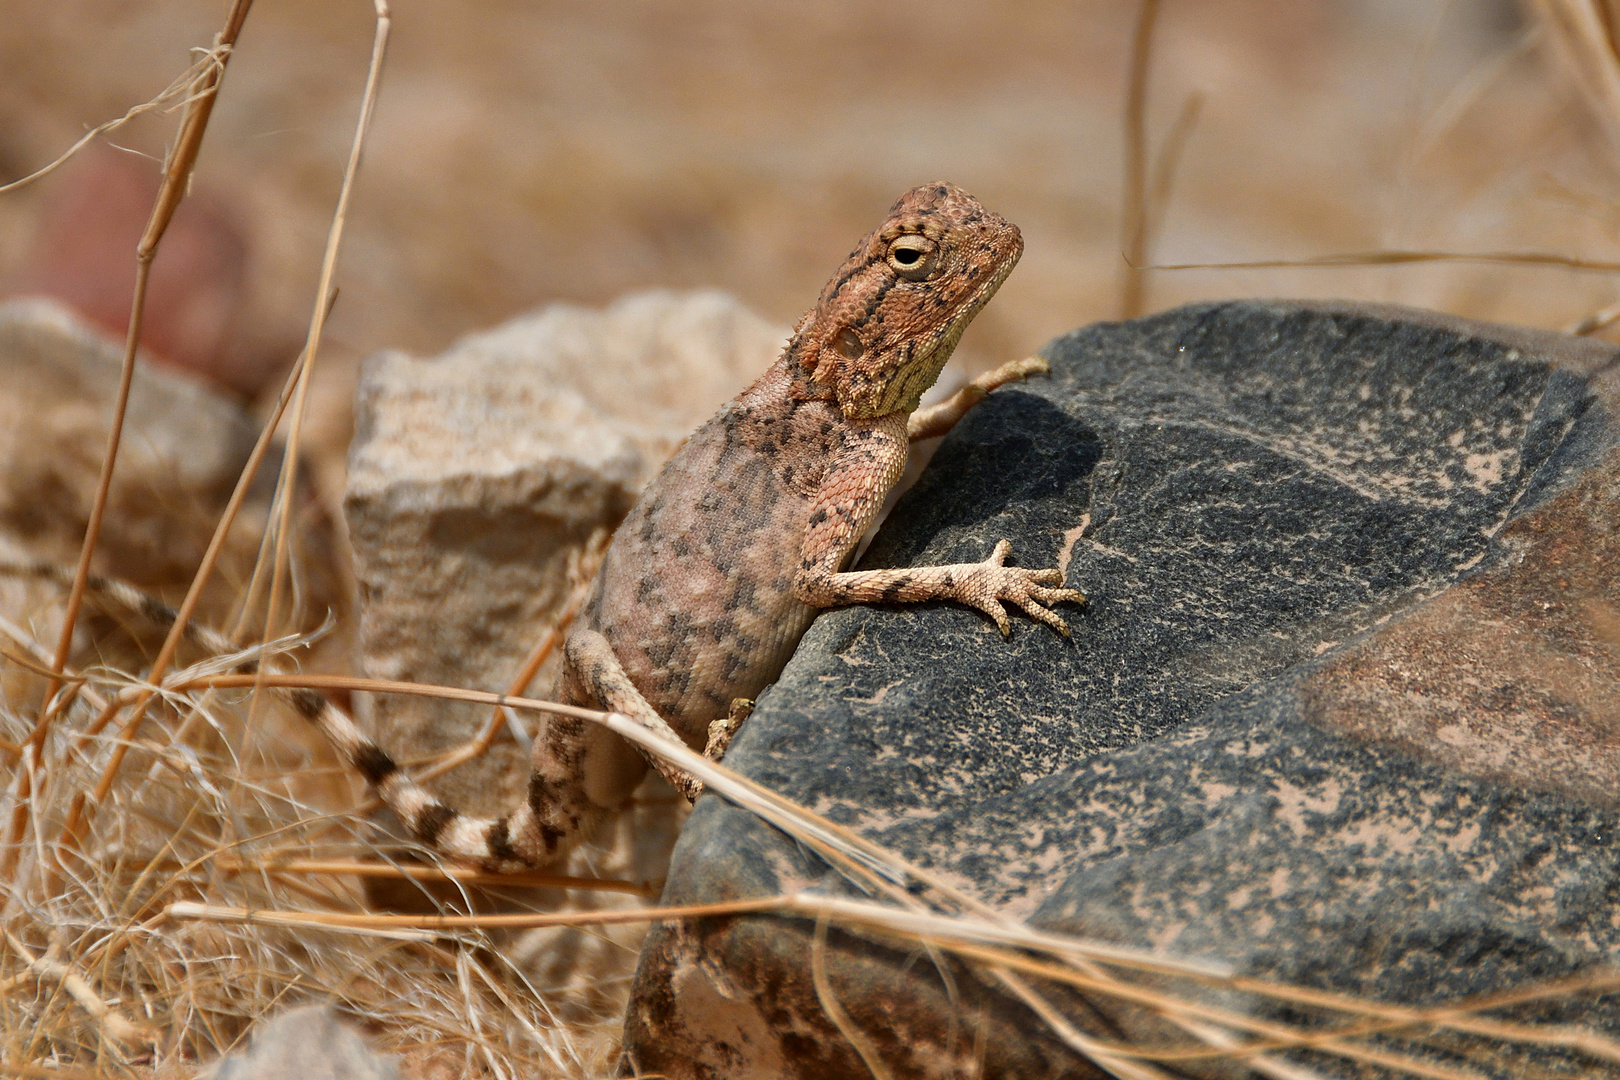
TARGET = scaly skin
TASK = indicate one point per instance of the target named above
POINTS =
(742, 537)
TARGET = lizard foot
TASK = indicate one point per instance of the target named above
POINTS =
(988, 584)
(723, 730)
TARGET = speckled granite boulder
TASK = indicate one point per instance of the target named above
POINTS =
(1342, 710)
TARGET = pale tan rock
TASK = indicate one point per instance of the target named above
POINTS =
(184, 445)
(474, 475)
(308, 1043)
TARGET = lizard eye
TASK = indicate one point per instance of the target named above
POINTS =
(847, 343)
(913, 257)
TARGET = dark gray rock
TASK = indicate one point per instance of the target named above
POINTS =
(1340, 711)
(308, 1043)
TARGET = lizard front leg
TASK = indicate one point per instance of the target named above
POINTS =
(938, 419)
(851, 494)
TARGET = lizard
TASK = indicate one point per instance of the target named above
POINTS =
(744, 535)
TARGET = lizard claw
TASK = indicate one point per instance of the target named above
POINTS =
(998, 613)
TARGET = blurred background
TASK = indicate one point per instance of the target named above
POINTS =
(532, 152)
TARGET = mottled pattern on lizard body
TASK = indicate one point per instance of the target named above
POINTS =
(718, 570)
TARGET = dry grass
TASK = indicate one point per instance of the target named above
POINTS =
(184, 858)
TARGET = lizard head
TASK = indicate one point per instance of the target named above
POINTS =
(891, 317)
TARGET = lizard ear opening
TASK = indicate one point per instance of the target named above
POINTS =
(847, 343)
(912, 256)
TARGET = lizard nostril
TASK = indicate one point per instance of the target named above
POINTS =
(847, 343)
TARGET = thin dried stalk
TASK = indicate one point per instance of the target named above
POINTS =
(1584, 36)
(411, 872)
(117, 1027)
(181, 91)
(203, 91)
(52, 1072)
(584, 572)
(1133, 221)
(839, 845)
(74, 831)
(949, 932)
(1401, 258)
(439, 924)
(1596, 322)
(1169, 162)
(835, 1010)
(287, 487)
(41, 665)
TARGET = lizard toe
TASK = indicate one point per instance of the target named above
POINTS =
(1058, 596)
(992, 607)
(1044, 615)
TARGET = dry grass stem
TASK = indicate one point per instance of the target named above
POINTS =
(202, 92)
(117, 1027)
(52, 1072)
(836, 1011)
(1595, 323)
(363, 868)
(288, 482)
(181, 92)
(883, 870)
(582, 572)
(298, 381)
(439, 924)
(1134, 220)
(1401, 258)
(1584, 37)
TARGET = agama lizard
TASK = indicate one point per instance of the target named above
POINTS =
(718, 570)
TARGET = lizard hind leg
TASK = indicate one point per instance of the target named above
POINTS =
(594, 663)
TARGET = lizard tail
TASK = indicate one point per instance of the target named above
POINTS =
(531, 836)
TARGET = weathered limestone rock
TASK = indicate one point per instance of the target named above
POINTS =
(474, 475)
(1341, 712)
(184, 445)
(308, 1043)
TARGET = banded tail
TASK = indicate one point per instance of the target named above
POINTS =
(534, 835)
